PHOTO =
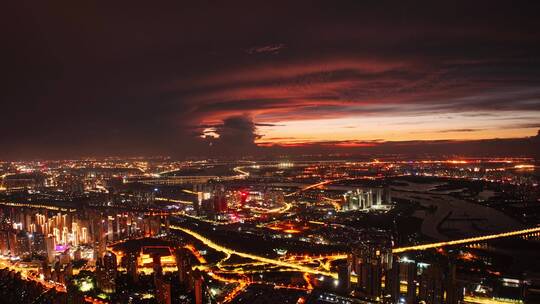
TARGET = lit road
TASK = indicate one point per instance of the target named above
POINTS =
(467, 240)
(241, 171)
(30, 274)
(330, 181)
(225, 250)
(170, 200)
(312, 186)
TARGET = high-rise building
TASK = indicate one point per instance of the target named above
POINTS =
(37, 245)
(198, 287)
(4, 243)
(183, 262)
(163, 289)
(424, 283)
(50, 248)
(344, 276)
(109, 272)
(131, 266)
(45, 269)
(22, 244)
(371, 260)
(361, 199)
(454, 294)
(12, 243)
(431, 285)
(156, 264)
(110, 228)
(402, 281)
(387, 195)
(106, 273)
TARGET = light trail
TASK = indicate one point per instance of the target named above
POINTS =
(235, 292)
(48, 207)
(226, 250)
(196, 253)
(478, 300)
(330, 181)
(311, 187)
(334, 202)
(308, 281)
(286, 207)
(466, 240)
(242, 172)
(164, 199)
(190, 192)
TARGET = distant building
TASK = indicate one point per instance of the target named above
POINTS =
(366, 198)
(50, 249)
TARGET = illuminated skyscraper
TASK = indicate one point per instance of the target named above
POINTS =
(106, 272)
(371, 259)
(4, 243)
(50, 248)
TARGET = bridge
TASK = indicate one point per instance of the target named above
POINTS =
(530, 231)
(326, 182)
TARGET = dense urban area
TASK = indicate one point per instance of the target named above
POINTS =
(302, 230)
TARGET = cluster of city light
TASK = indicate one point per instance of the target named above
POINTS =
(30, 275)
(220, 248)
(283, 209)
(291, 263)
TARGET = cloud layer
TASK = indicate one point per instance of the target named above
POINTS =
(85, 79)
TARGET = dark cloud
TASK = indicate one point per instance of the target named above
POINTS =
(235, 135)
(133, 78)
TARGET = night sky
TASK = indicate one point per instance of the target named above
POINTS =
(188, 78)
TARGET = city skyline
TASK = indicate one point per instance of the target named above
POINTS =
(255, 152)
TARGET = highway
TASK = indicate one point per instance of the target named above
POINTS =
(467, 240)
(226, 250)
(31, 275)
(312, 186)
